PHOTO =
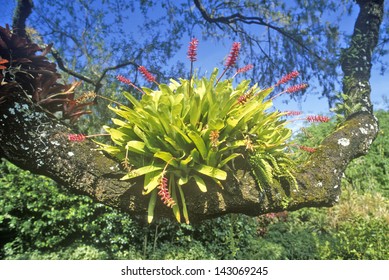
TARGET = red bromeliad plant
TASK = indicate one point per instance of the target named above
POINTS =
(193, 130)
(22, 68)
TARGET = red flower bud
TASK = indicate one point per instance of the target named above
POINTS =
(245, 68)
(307, 149)
(76, 137)
(293, 113)
(287, 78)
(192, 50)
(124, 80)
(233, 56)
(148, 76)
(295, 88)
(318, 119)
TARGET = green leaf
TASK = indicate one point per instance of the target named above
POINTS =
(152, 180)
(216, 124)
(200, 183)
(141, 171)
(195, 114)
(199, 142)
(151, 207)
(184, 136)
(184, 209)
(176, 209)
(112, 150)
(132, 99)
(183, 180)
(167, 157)
(210, 171)
(136, 147)
(116, 135)
(227, 159)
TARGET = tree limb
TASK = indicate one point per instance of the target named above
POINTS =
(237, 17)
(22, 12)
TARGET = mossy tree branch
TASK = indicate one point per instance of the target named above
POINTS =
(22, 12)
(33, 140)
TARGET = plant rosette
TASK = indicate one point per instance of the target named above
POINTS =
(190, 131)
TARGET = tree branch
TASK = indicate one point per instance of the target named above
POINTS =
(21, 13)
(237, 17)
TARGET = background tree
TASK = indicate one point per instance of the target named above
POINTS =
(33, 140)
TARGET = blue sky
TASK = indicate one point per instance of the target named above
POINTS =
(212, 54)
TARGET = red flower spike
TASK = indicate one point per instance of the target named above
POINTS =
(76, 137)
(192, 50)
(148, 76)
(124, 80)
(164, 193)
(293, 113)
(307, 149)
(245, 68)
(128, 82)
(287, 78)
(233, 56)
(318, 119)
(296, 88)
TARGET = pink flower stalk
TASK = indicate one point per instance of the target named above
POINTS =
(291, 89)
(233, 56)
(307, 149)
(126, 81)
(243, 69)
(317, 119)
(81, 137)
(296, 88)
(192, 50)
(292, 113)
(164, 193)
(287, 78)
(231, 59)
(148, 76)
(76, 137)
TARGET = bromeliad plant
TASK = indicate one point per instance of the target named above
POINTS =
(190, 131)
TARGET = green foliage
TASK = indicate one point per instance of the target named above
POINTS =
(35, 215)
(356, 228)
(345, 107)
(189, 131)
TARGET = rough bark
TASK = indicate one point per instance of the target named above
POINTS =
(22, 12)
(33, 140)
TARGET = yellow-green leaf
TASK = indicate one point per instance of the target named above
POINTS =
(152, 180)
(199, 142)
(150, 209)
(211, 171)
(141, 171)
(200, 183)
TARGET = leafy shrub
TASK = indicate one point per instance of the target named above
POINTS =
(38, 216)
(358, 239)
